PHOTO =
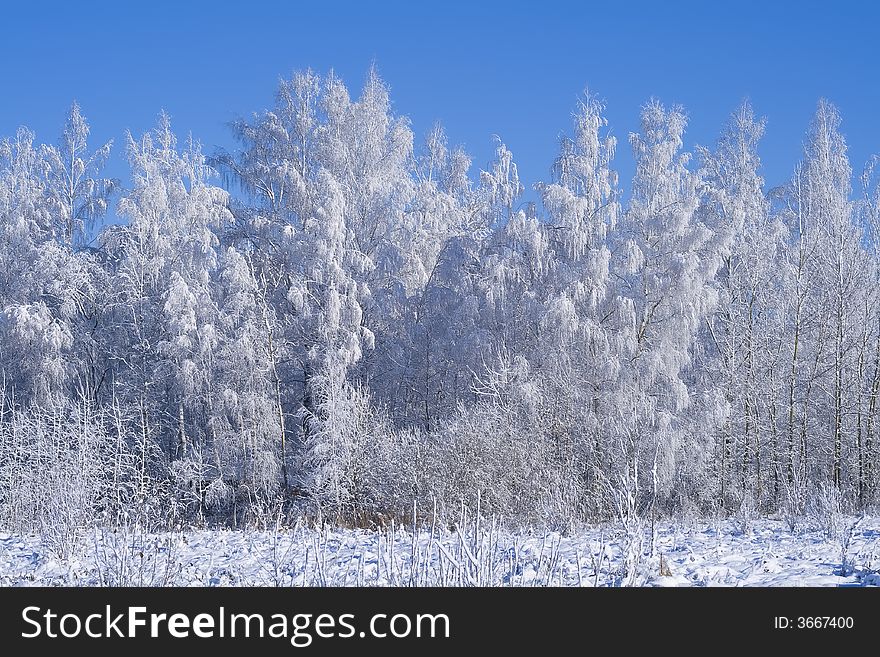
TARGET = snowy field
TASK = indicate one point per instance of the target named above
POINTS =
(766, 553)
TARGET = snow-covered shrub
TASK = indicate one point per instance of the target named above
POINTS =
(564, 505)
(62, 470)
(623, 495)
(492, 453)
(745, 514)
(187, 475)
(793, 504)
(399, 473)
(825, 510)
(343, 444)
(218, 495)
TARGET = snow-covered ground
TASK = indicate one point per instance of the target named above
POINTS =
(768, 553)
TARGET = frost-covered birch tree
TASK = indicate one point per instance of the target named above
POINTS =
(666, 259)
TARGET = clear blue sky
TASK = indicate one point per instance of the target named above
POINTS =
(482, 68)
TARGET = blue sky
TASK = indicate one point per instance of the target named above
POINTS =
(506, 68)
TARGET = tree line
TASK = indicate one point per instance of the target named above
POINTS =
(341, 316)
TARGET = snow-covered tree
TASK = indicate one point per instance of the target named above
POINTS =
(79, 195)
(164, 315)
(741, 339)
(44, 286)
(665, 261)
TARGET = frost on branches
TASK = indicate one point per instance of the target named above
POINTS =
(343, 317)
